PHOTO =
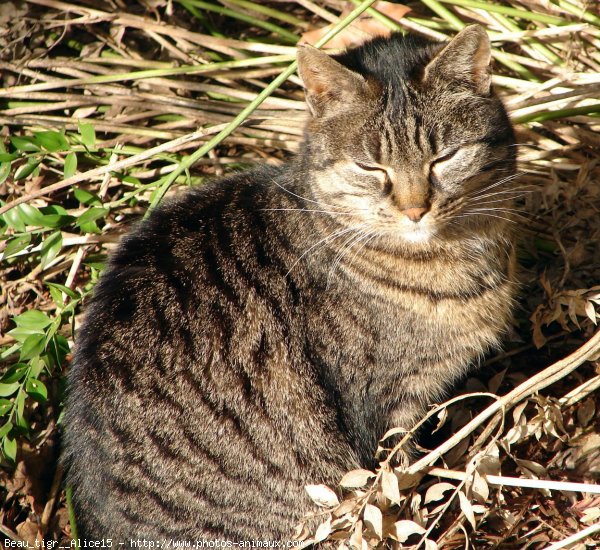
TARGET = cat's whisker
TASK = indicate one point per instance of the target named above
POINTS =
(475, 213)
(303, 198)
(499, 196)
(344, 247)
(498, 209)
(335, 213)
(494, 201)
(496, 184)
(520, 189)
(324, 241)
(366, 236)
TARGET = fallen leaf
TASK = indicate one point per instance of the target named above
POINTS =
(436, 492)
(356, 478)
(405, 528)
(322, 495)
(389, 486)
(374, 519)
(466, 508)
(362, 29)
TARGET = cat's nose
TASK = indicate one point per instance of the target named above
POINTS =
(415, 214)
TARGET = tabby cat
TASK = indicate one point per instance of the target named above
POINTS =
(262, 332)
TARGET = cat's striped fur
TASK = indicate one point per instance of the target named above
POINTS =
(262, 332)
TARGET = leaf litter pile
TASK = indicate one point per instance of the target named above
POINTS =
(106, 106)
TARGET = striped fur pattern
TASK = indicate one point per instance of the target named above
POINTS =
(262, 332)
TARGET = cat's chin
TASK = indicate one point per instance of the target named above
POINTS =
(417, 235)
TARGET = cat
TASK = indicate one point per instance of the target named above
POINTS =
(261, 332)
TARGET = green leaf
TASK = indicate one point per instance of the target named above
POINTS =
(62, 288)
(54, 209)
(8, 389)
(90, 227)
(13, 219)
(36, 389)
(10, 448)
(70, 165)
(52, 141)
(36, 366)
(4, 171)
(8, 157)
(34, 345)
(6, 428)
(30, 214)
(85, 197)
(24, 144)
(21, 334)
(57, 297)
(50, 248)
(20, 407)
(5, 406)
(27, 169)
(91, 215)
(33, 319)
(88, 134)
(54, 221)
(16, 244)
(14, 373)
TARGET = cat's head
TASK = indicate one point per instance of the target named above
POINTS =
(407, 138)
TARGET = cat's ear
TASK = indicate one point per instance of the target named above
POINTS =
(465, 59)
(328, 84)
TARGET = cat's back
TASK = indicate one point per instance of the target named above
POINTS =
(186, 365)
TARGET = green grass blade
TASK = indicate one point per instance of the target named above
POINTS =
(71, 512)
(591, 110)
(270, 12)
(504, 10)
(284, 33)
(444, 13)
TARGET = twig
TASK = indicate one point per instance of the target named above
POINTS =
(581, 391)
(574, 538)
(521, 482)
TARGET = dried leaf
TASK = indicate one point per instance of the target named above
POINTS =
(590, 515)
(374, 520)
(586, 412)
(466, 508)
(389, 486)
(347, 506)
(362, 29)
(356, 478)
(442, 417)
(531, 466)
(479, 509)
(323, 531)
(322, 495)
(436, 492)
(356, 539)
(590, 311)
(406, 480)
(405, 528)
(393, 431)
(480, 487)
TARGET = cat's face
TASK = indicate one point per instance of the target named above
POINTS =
(415, 156)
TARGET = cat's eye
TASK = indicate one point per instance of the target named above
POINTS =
(370, 167)
(437, 165)
(377, 171)
(446, 155)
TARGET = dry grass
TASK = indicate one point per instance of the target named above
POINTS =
(106, 106)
